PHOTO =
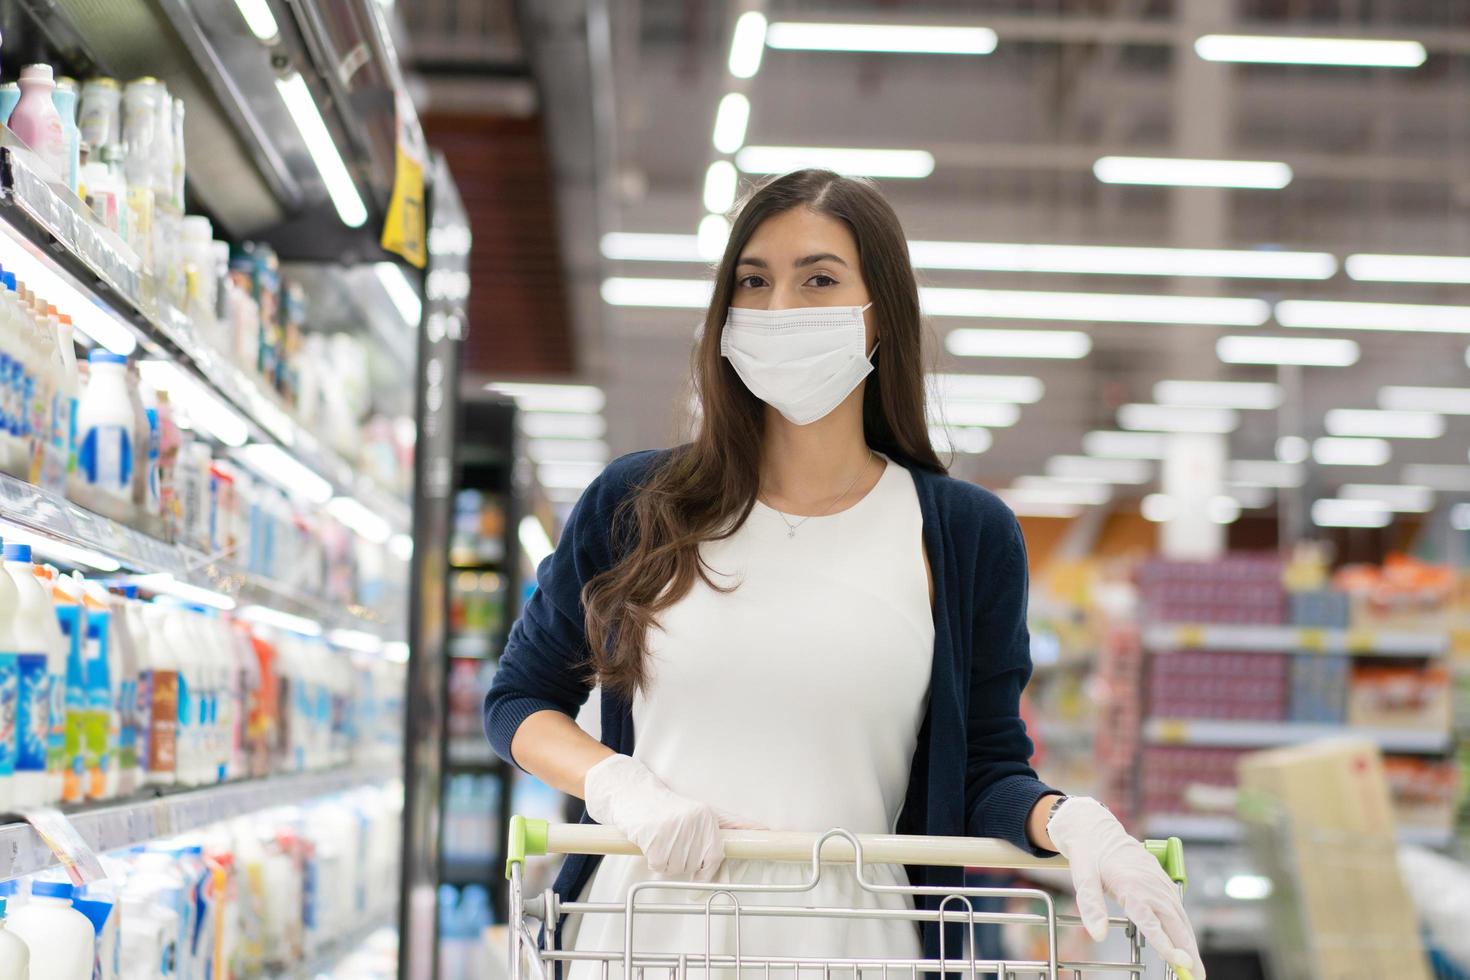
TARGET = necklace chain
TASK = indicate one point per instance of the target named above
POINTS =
(792, 528)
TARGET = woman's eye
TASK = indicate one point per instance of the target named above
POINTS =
(750, 282)
(821, 279)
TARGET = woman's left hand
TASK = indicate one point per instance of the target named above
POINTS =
(1105, 859)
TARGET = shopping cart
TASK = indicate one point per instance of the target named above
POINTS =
(534, 920)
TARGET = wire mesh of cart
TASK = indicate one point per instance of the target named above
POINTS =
(536, 920)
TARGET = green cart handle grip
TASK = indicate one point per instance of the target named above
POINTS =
(532, 838)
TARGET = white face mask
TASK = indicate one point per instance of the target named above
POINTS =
(801, 362)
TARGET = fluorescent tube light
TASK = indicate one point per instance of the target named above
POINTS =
(59, 551)
(265, 616)
(1293, 449)
(1049, 344)
(1127, 471)
(635, 246)
(1177, 418)
(1018, 388)
(1331, 512)
(323, 150)
(1093, 307)
(356, 640)
(534, 540)
(993, 415)
(730, 122)
(1340, 315)
(1306, 351)
(567, 450)
(396, 651)
(1158, 508)
(720, 181)
(848, 161)
(1460, 517)
(1438, 476)
(162, 583)
(401, 547)
(568, 476)
(90, 317)
(1125, 445)
(1383, 424)
(400, 291)
(882, 38)
(1180, 172)
(714, 232)
(259, 19)
(351, 513)
(1332, 51)
(1406, 499)
(1250, 395)
(205, 410)
(748, 44)
(1063, 494)
(1089, 489)
(972, 442)
(1265, 473)
(1122, 260)
(581, 399)
(562, 425)
(1408, 268)
(1247, 888)
(1408, 398)
(687, 294)
(1222, 509)
(1346, 451)
(271, 462)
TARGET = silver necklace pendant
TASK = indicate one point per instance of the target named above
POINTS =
(791, 532)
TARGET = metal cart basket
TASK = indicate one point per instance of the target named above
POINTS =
(533, 920)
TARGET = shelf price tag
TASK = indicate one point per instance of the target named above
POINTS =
(75, 855)
(405, 231)
(1312, 639)
(1189, 637)
(1172, 731)
(1360, 641)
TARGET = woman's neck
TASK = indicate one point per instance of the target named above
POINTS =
(805, 466)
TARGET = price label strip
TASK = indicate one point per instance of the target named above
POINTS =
(75, 855)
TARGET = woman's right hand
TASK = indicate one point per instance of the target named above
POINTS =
(679, 837)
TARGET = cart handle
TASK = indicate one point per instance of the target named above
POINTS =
(534, 838)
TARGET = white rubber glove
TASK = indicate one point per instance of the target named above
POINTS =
(679, 837)
(1104, 858)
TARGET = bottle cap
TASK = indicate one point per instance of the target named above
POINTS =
(41, 72)
(17, 552)
(52, 889)
(100, 356)
(103, 81)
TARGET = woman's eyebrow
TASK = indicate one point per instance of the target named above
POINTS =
(754, 260)
(819, 257)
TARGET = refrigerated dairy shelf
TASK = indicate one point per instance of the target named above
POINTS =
(115, 825)
(329, 960)
(62, 521)
(65, 238)
(1224, 829)
(1294, 639)
(1269, 734)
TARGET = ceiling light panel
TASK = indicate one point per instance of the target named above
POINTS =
(848, 161)
(1177, 418)
(1408, 268)
(1331, 512)
(1126, 445)
(1383, 424)
(1180, 172)
(880, 38)
(1407, 398)
(1041, 344)
(1099, 469)
(1122, 260)
(1342, 315)
(1304, 351)
(1328, 51)
(1093, 307)
(1021, 389)
(1334, 451)
(1404, 498)
(1250, 395)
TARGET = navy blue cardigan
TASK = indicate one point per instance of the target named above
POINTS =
(970, 774)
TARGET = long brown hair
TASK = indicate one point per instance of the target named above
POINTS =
(705, 489)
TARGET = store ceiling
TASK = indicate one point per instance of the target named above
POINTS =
(1379, 157)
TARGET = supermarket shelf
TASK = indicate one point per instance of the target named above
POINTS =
(474, 646)
(114, 825)
(479, 566)
(1223, 829)
(1268, 734)
(326, 962)
(61, 520)
(1294, 639)
(470, 872)
(58, 232)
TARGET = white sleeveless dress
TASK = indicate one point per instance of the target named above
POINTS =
(795, 702)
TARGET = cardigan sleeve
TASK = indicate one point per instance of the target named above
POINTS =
(1000, 786)
(545, 662)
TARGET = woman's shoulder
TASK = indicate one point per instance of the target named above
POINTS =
(964, 501)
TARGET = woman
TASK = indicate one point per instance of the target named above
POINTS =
(806, 623)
